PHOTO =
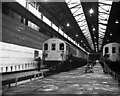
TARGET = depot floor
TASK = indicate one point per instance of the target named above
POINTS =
(72, 82)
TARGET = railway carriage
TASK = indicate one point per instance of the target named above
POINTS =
(56, 51)
(111, 54)
(112, 51)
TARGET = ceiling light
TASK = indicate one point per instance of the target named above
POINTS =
(93, 29)
(68, 24)
(91, 11)
(76, 35)
(116, 22)
(110, 34)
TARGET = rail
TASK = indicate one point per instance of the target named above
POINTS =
(111, 72)
(56, 66)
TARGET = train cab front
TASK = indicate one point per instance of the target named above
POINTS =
(53, 52)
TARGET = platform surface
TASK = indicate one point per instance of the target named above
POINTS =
(21, 74)
(73, 82)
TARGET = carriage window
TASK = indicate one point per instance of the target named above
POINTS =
(106, 49)
(45, 46)
(53, 46)
(36, 53)
(61, 46)
(113, 49)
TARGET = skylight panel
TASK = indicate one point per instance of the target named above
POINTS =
(72, 40)
(54, 27)
(87, 34)
(82, 24)
(104, 8)
(22, 2)
(60, 31)
(106, 1)
(77, 11)
(104, 15)
(72, 5)
(100, 40)
(80, 19)
(69, 38)
(84, 28)
(65, 35)
(47, 21)
(102, 26)
(104, 12)
(103, 22)
(74, 10)
(77, 18)
(101, 35)
(101, 30)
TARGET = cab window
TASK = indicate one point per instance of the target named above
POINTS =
(53, 46)
(45, 46)
(61, 46)
(106, 50)
(113, 49)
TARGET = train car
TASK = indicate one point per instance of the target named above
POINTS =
(112, 51)
(56, 51)
(111, 54)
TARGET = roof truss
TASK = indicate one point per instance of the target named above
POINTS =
(77, 11)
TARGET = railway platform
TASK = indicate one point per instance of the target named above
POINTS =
(72, 82)
(14, 79)
(22, 74)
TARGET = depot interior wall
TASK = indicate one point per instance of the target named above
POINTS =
(19, 45)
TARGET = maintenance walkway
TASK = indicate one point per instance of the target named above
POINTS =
(72, 82)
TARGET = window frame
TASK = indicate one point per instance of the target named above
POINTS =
(53, 46)
(61, 47)
(113, 49)
(46, 47)
(107, 49)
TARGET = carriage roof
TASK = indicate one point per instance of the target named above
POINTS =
(113, 43)
(54, 39)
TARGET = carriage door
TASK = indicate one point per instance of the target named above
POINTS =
(53, 53)
(114, 56)
(61, 51)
